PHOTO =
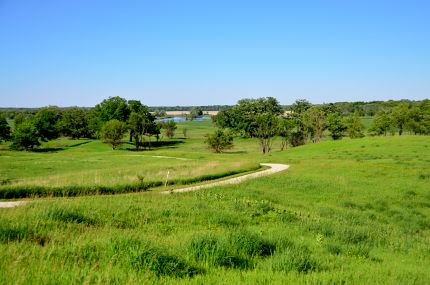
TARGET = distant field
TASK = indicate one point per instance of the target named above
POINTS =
(346, 212)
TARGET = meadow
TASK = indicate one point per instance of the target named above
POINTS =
(345, 212)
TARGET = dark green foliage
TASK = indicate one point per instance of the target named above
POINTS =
(219, 141)
(25, 136)
(241, 117)
(74, 123)
(4, 129)
(113, 132)
(46, 121)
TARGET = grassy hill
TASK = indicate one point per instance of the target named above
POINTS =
(346, 212)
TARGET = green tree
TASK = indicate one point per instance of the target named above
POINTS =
(25, 136)
(266, 127)
(314, 119)
(4, 129)
(300, 132)
(284, 130)
(219, 141)
(241, 118)
(354, 126)
(113, 131)
(109, 109)
(382, 123)
(75, 123)
(336, 126)
(401, 115)
(136, 128)
(46, 121)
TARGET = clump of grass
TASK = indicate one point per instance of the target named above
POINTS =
(333, 248)
(19, 232)
(294, 258)
(143, 256)
(68, 215)
(424, 175)
(235, 250)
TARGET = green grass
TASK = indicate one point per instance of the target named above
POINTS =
(345, 212)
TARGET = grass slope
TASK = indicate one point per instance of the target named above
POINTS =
(346, 212)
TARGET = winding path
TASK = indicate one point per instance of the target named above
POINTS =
(274, 168)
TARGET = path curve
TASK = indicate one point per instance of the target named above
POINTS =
(274, 168)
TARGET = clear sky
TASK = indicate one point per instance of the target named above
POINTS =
(202, 52)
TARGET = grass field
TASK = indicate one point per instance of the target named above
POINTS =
(346, 212)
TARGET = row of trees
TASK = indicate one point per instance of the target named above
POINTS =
(264, 118)
(109, 120)
(406, 117)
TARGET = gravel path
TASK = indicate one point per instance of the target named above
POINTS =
(11, 204)
(274, 168)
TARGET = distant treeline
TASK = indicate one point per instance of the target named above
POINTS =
(346, 108)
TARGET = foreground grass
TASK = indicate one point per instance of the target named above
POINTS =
(351, 211)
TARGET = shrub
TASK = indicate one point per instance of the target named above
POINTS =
(219, 141)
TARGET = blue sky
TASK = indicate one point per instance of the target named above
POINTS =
(194, 52)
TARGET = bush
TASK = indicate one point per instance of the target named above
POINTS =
(113, 132)
(219, 141)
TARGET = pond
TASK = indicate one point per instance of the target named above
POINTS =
(179, 119)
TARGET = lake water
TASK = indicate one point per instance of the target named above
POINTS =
(179, 119)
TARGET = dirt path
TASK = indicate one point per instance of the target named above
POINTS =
(274, 168)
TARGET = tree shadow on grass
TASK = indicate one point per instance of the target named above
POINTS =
(48, 149)
(155, 145)
(79, 144)
(235, 152)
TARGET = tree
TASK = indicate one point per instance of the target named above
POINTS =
(241, 118)
(354, 126)
(136, 128)
(75, 123)
(219, 141)
(266, 128)
(46, 122)
(401, 115)
(113, 131)
(335, 126)
(314, 119)
(4, 129)
(25, 136)
(299, 132)
(169, 127)
(109, 109)
(382, 123)
(284, 130)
